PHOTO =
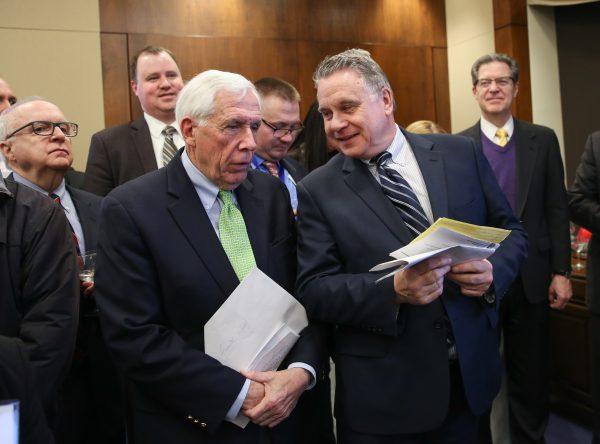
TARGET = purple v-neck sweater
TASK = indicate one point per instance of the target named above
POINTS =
(503, 162)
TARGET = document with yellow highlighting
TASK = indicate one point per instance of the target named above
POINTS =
(460, 241)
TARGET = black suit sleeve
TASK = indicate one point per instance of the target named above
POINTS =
(50, 296)
(584, 202)
(138, 333)
(98, 175)
(557, 209)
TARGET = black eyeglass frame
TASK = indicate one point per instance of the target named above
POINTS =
(294, 131)
(39, 133)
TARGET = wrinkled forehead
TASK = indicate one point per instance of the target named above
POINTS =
(230, 104)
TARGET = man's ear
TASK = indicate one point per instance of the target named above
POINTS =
(187, 131)
(388, 101)
(516, 90)
(6, 149)
(134, 86)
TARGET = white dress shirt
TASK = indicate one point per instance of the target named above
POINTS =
(489, 129)
(208, 194)
(158, 140)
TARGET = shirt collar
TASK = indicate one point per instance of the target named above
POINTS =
(207, 190)
(396, 147)
(489, 129)
(258, 161)
(156, 126)
(59, 191)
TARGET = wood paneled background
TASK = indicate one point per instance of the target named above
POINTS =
(282, 38)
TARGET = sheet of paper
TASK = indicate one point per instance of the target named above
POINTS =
(489, 234)
(9, 422)
(256, 326)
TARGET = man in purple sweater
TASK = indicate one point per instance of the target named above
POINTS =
(527, 163)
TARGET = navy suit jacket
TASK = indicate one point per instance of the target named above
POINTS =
(392, 361)
(161, 274)
(541, 205)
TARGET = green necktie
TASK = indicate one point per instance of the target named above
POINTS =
(234, 237)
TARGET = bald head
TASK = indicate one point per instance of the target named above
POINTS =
(7, 98)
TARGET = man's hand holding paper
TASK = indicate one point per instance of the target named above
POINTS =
(423, 283)
(473, 277)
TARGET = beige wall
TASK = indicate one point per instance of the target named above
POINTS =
(546, 104)
(52, 49)
(470, 30)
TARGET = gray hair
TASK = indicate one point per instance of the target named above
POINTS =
(6, 116)
(495, 57)
(197, 97)
(357, 60)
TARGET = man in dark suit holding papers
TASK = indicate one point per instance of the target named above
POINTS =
(173, 245)
(416, 354)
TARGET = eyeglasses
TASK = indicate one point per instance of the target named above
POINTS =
(501, 82)
(282, 132)
(42, 128)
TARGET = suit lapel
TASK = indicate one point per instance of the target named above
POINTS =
(526, 154)
(474, 133)
(192, 220)
(361, 181)
(87, 217)
(431, 165)
(254, 214)
(143, 144)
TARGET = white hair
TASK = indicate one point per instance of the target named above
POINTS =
(197, 98)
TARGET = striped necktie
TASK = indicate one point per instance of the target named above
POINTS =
(234, 237)
(169, 149)
(502, 136)
(397, 189)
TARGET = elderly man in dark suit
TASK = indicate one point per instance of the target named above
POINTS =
(416, 354)
(584, 203)
(526, 161)
(38, 272)
(173, 246)
(40, 154)
(127, 151)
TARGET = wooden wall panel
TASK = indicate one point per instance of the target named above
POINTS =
(253, 58)
(287, 39)
(441, 88)
(413, 88)
(513, 40)
(115, 78)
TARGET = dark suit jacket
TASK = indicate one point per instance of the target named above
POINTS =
(161, 274)
(584, 203)
(118, 155)
(88, 211)
(541, 205)
(16, 382)
(392, 362)
(39, 286)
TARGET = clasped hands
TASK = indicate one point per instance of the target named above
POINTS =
(273, 395)
(423, 283)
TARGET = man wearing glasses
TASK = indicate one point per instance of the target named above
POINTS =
(281, 124)
(526, 161)
(37, 146)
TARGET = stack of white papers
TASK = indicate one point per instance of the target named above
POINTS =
(460, 241)
(9, 422)
(255, 328)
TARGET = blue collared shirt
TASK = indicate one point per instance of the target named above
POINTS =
(65, 201)
(284, 176)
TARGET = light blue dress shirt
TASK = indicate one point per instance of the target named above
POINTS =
(208, 194)
(284, 176)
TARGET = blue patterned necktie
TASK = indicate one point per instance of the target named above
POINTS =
(397, 189)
